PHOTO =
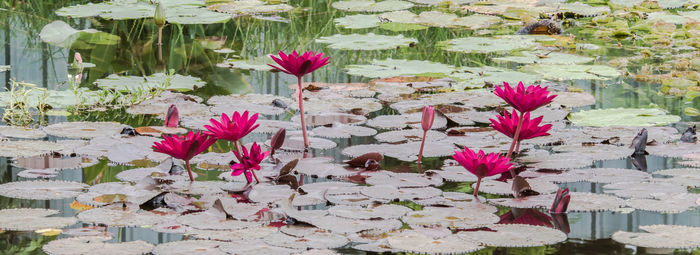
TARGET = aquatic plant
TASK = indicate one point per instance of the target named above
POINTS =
(184, 147)
(482, 164)
(172, 117)
(17, 111)
(277, 140)
(232, 129)
(426, 123)
(561, 202)
(297, 65)
(530, 128)
(249, 161)
(523, 100)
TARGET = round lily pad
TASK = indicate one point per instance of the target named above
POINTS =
(490, 44)
(397, 67)
(42, 190)
(368, 41)
(371, 5)
(158, 80)
(358, 21)
(623, 117)
(661, 236)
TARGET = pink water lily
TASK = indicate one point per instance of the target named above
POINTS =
(232, 129)
(297, 65)
(426, 123)
(524, 99)
(248, 161)
(184, 147)
(172, 117)
(482, 164)
(78, 58)
(507, 124)
(300, 65)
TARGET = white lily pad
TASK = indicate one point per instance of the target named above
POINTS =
(84, 130)
(534, 57)
(580, 202)
(661, 236)
(642, 189)
(415, 242)
(42, 190)
(90, 244)
(30, 219)
(515, 235)
(21, 132)
(190, 247)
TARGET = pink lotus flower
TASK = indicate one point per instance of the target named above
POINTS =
(299, 66)
(184, 147)
(232, 129)
(481, 164)
(249, 161)
(507, 125)
(561, 202)
(426, 123)
(522, 99)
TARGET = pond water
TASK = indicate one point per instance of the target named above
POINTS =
(196, 50)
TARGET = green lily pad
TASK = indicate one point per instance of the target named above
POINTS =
(358, 21)
(440, 19)
(490, 44)
(477, 77)
(667, 17)
(532, 57)
(573, 72)
(401, 27)
(58, 99)
(133, 83)
(250, 7)
(666, 4)
(177, 11)
(371, 5)
(437, 2)
(61, 34)
(397, 67)
(623, 117)
(366, 42)
(691, 14)
(257, 64)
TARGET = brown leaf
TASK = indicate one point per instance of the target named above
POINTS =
(287, 168)
(362, 159)
(521, 188)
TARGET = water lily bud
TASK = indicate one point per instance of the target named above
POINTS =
(159, 16)
(278, 139)
(78, 58)
(428, 118)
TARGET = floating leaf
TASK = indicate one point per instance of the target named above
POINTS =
(573, 72)
(371, 5)
(539, 57)
(90, 244)
(368, 41)
(622, 117)
(41, 190)
(358, 21)
(30, 219)
(21, 132)
(84, 130)
(415, 242)
(157, 80)
(490, 44)
(514, 235)
(661, 236)
(61, 34)
(397, 67)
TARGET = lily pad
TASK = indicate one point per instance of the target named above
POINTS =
(397, 67)
(490, 44)
(42, 190)
(90, 244)
(158, 80)
(368, 41)
(661, 236)
(573, 72)
(534, 57)
(371, 5)
(623, 117)
(30, 219)
(61, 34)
(514, 235)
(358, 21)
(415, 242)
